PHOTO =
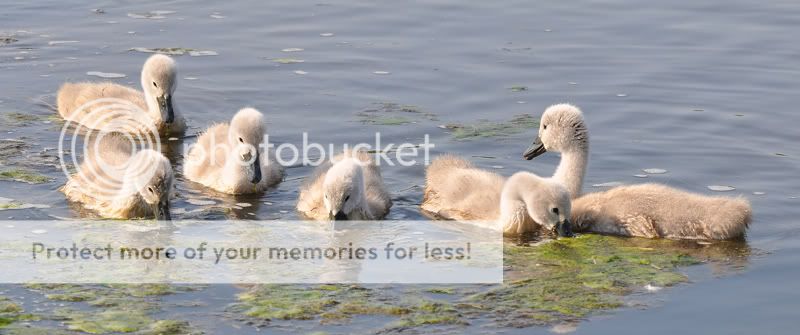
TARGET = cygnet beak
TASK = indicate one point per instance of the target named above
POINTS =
(165, 104)
(564, 229)
(256, 170)
(161, 210)
(536, 149)
(339, 216)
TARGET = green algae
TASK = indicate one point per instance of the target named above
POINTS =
(11, 148)
(6, 204)
(18, 119)
(105, 295)
(390, 121)
(547, 283)
(486, 128)
(24, 176)
(104, 301)
(147, 290)
(567, 279)
(9, 307)
(597, 261)
(121, 321)
(11, 205)
(16, 153)
(340, 303)
(54, 118)
(428, 312)
(72, 296)
(105, 321)
(11, 312)
(287, 303)
(167, 327)
(117, 308)
(441, 290)
(393, 114)
(349, 309)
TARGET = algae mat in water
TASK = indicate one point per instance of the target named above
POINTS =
(393, 114)
(486, 128)
(554, 281)
(11, 312)
(24, 176)
(112, 309)
(340, 303)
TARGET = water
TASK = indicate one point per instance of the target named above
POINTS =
(706, 91)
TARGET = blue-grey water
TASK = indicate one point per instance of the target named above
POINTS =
(705, 90)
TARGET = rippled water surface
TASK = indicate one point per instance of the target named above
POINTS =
(704, 93)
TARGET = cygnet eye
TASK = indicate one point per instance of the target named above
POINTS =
(555, 210)
(347, 198)
(154, 84)
(241, 140)
(544, 127)
(150, 189)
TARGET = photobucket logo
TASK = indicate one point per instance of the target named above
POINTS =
(309, 153)
(391, 154)
(108, 133)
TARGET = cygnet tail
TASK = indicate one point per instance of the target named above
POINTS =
(730, 217)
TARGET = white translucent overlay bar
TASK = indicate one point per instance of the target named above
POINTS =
(230, 252)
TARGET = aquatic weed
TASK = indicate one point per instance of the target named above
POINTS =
(572, 278)
(486, 128)
(17, 119)
(24, 176)
(547, 283)
(393, 114)
(122, 308)
(11, 312)
(340, 302)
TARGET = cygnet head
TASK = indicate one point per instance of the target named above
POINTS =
(343, 189)
(245, 136)
(150, 175)
(546, 201)
(561, 129)
(158, 83)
